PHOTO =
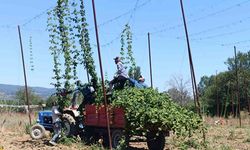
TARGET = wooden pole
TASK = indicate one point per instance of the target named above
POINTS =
(192, 67)
(24, 74)
(217, 99)
(150, 64)
(190, 59)
(102, 76)
(237, 84)
(232, 101)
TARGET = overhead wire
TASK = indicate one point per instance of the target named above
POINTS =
(123, 14)
(165, 27)
(202, 17)
(235, 43)
(220, 35)
(218, 27)
(133, 12)
(135, 8)
(206, 8)
(38, 16)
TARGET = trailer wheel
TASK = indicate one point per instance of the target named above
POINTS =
(37, 131)
(154, 141)
(88, 135)
(69, 125)
(116, 137)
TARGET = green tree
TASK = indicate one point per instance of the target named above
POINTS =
(34, 99)
(221, 89)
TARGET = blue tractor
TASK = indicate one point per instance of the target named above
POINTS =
(44, 122)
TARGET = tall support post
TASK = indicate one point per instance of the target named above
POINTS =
(237, 84)
(232, 101)
(192, 68)
(150, 64)
(217, 99)
(190, 59)
(24, 74)
(102, 76)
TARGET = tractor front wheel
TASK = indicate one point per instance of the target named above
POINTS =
(37, 131)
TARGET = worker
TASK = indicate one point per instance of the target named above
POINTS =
(88, 92)
(141, 81)
(121, 75)
(57, 123)
(138, 84)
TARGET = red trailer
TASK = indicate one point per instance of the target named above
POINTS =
(95, 126)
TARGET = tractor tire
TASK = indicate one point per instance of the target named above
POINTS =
(37, 132)
(154, 141)
(69, 128)
(116, 136)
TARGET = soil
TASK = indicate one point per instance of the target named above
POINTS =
(16, 141)
(226, 135)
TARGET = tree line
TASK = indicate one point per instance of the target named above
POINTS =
(219, 93)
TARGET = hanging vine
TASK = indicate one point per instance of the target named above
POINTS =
(53, 39)
(122, 52)
(88, 60)
(67, 32)
(73, 35)
(31, 54)
(126, 41)
(62, 8)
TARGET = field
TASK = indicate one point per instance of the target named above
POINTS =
(226, 135)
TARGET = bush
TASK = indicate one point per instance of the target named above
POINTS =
(147, 109)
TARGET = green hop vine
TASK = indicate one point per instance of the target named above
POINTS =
(67, 32)
(52, 27)
(84, 41)
(31, 54)
(127, 58)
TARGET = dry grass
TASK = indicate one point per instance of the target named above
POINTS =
(15, 121)
(225, 136)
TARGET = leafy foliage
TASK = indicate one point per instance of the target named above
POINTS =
(68, 31)
(222, 88)
(33, 98)
(147, 109)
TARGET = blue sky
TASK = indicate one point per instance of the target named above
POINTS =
(215, 26)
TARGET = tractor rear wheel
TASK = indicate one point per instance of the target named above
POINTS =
(69, 125)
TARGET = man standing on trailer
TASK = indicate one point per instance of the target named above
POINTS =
(121, 74)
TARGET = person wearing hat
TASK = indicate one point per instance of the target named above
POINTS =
(121, 74)
(138, 83)
(141, 81)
